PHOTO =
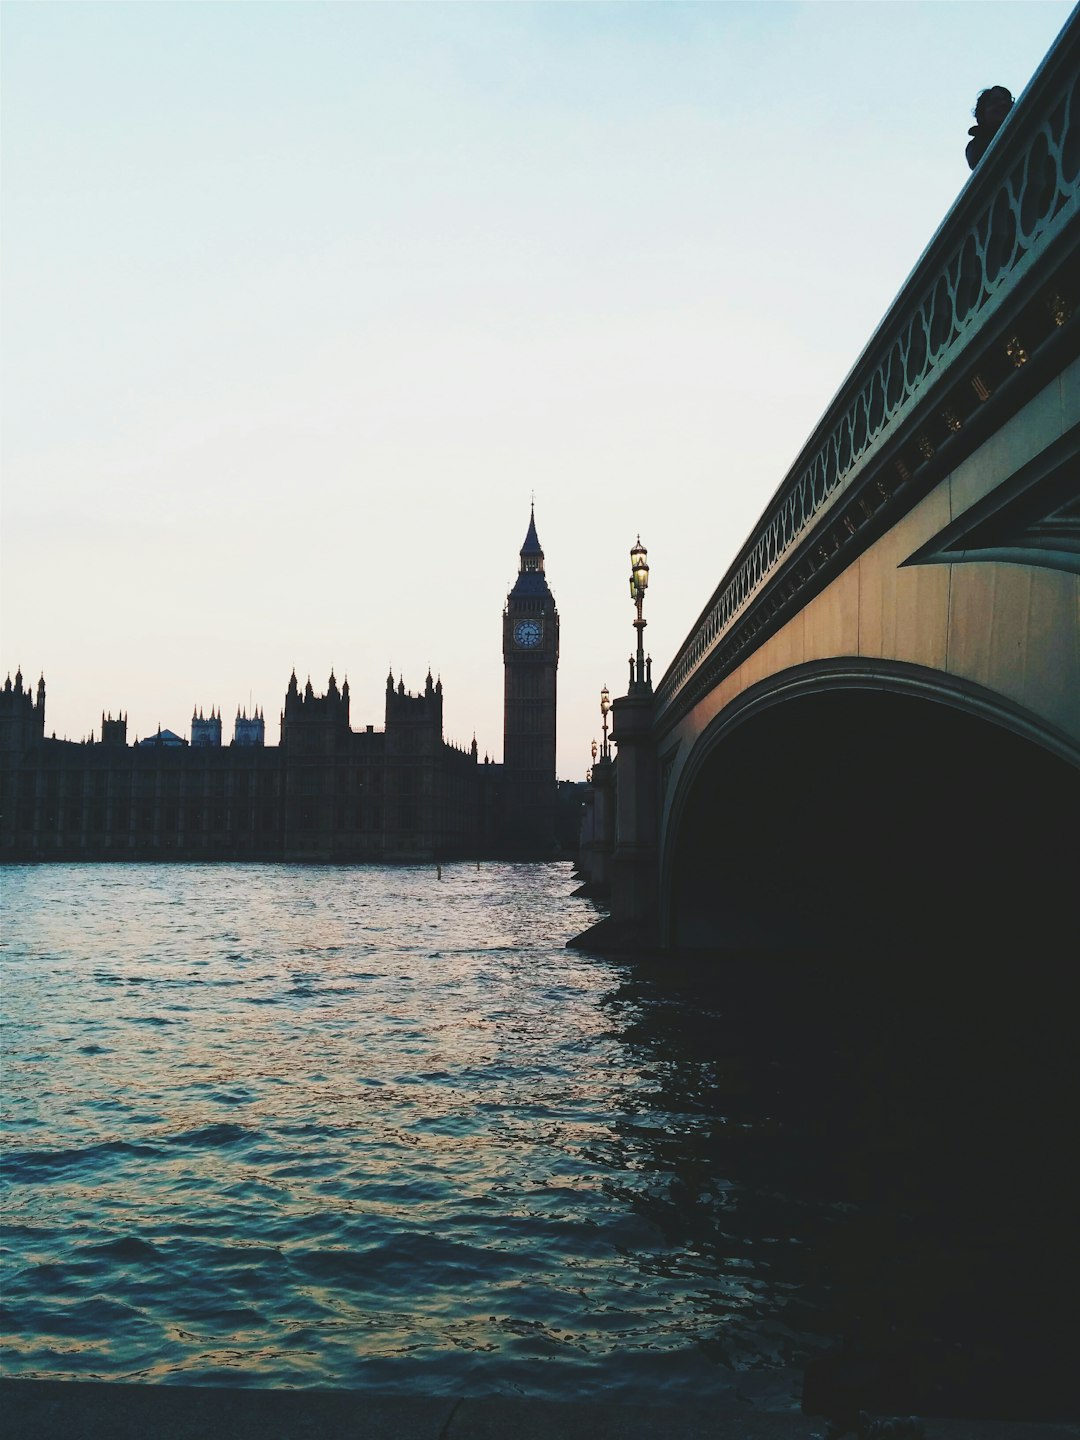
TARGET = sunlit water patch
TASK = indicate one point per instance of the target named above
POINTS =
(373, 1127)
(310, 1126)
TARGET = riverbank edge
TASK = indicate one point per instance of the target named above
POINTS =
(98, 1410)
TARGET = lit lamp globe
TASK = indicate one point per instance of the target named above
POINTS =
(639, 571)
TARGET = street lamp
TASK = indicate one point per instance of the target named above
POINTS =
(639, 583)
(605, 706)
(594, 752)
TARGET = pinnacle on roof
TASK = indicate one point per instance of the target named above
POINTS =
(532, 544)
(530, 580)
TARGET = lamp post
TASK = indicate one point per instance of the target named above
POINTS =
(594, 752)
(605, 706)
(639, 583)
(628, 801)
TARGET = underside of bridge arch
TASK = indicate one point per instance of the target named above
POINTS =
(849, 817)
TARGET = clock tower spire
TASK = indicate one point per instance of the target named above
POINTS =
(530, 660)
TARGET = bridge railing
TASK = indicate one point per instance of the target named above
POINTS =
(996, 282)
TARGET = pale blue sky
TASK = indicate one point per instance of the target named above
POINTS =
(303, 300)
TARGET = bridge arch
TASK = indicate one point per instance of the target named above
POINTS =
(844, 804)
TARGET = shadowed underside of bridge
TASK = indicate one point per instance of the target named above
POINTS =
(859, 817)
(871, 734)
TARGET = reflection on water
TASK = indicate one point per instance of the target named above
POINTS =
(302, 1126)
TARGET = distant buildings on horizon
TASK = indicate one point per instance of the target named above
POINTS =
(325, 793)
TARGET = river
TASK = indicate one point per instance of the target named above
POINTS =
(300, 1126)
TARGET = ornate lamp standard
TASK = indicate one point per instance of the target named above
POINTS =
(605, 706)
(625, 794)
(594, 752)
(641, 678)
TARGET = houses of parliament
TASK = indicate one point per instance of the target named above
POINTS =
(325, 793)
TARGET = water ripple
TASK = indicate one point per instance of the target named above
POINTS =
(468, 1159)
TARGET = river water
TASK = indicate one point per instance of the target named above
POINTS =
(371, 1127)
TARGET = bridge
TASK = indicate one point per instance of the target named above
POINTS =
(873, 728)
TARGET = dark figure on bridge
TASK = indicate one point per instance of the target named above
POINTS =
(990, 110)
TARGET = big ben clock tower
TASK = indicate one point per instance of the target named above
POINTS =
(530, 659)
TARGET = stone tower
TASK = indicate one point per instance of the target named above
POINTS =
(22, 720)
(206, 731)
(530, 660)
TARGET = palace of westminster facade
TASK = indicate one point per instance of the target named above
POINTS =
(325, 793)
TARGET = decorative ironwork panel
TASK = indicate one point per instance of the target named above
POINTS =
(1018, 211)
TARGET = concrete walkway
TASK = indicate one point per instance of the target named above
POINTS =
(69, 1410)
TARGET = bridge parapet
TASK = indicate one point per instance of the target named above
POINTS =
(989, 310)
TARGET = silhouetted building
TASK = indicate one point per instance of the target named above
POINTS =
(22, 720)
(530, 662)
(325, 793)
(208, 731)
(113, 732)
(162, 740)
(249, 730)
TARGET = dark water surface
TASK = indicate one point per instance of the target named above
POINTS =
(365, 1127)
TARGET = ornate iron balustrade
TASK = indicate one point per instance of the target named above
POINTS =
(997, 284)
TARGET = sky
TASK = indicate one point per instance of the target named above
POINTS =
(304, 302)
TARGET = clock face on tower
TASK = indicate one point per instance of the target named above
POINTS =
(528, 633)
